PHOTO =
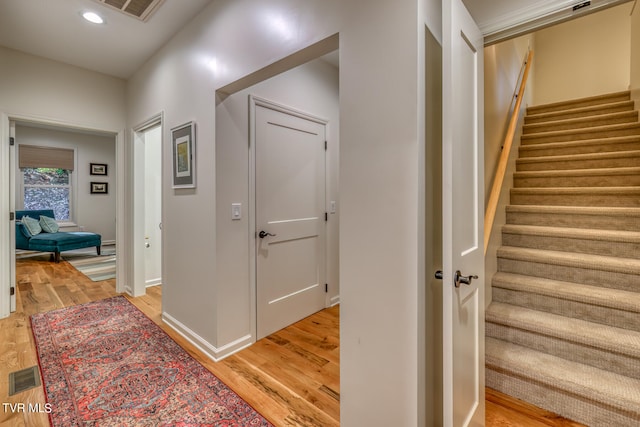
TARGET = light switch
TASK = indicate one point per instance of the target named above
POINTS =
(333, 207)
(236, 211)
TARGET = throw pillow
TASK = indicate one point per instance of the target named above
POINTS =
(32, 224)
(48, 224)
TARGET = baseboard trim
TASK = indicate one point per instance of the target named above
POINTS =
(153, 282)
(212, 352)
(334, 301)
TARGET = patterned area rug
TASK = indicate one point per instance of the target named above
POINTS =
(105, 363)
(95, 267)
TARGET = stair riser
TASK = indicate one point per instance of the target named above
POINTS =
(604, 222)
(564, 244)
(566, 115)
(521, 197)
(606, 279)
(575, 352)
(570, 105)
(579, 135)
(580, 124)
(573, 164)
(603, 147)
(552, 398)
(563, 307)
(577, 181)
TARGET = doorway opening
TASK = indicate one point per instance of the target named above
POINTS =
(55, 167)
(305, 82)
(147, 206)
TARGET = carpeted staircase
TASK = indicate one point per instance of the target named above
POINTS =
(563, 330)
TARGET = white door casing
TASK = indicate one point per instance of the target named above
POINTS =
(290, 206)
(463, 212)
(12, 208)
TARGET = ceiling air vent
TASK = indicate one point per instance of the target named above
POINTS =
(141, 9)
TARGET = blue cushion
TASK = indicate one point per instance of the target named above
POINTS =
(48, 224)
(32, 225)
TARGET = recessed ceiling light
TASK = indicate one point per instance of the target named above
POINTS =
(93, 17)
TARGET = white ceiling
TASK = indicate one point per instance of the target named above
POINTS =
(54, 29)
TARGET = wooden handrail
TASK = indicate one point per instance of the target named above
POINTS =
(501, 169)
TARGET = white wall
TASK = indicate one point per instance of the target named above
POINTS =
(583, 57)
(46, 90)
(635, 53)
(380, 100)
(94, 212)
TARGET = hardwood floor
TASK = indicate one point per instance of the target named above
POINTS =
(291, 377)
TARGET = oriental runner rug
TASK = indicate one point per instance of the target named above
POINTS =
(105, 363)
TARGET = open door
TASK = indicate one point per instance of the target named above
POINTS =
(463, 216)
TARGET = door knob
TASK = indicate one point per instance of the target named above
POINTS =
(439, 275)
(262, 234)
(459, 278)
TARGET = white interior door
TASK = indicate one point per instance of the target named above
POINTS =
(290, 217)
(463, 211)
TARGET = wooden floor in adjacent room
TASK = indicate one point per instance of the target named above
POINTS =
(291, 377)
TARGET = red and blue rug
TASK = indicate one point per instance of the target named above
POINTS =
(105, 363)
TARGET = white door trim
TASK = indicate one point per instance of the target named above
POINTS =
(138, 285)
(5, 228)
(255, 101)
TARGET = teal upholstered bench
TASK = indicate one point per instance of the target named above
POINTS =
(55, 242)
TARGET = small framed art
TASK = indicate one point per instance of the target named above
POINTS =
(183, 139)
(98, 168)
(99, 188)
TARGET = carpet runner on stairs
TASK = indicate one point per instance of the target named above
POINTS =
(563, 330)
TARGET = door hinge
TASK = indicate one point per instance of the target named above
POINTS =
(326, 287)
(326, 216)
(12, 291)
(12, 141)
(326, 145)
(12, 216)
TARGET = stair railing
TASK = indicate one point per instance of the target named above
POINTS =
(494, 196)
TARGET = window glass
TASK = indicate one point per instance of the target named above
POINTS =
(48, 188)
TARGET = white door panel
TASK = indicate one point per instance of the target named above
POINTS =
(463, 174)
(290, 194)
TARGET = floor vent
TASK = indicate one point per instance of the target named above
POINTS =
(25, 379)
(140, 9)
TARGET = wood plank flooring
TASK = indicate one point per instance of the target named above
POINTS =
(291, 377)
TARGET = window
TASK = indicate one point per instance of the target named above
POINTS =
(47, 177)
(48, 188)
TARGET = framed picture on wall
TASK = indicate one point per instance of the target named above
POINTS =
(183, 139)
(97, 168)
(99, 188)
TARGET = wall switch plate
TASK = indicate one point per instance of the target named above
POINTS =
(236, 211)
(332, 208)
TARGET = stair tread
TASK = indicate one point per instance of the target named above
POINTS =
(612, 389)
(609, 338)
(579, 110)
(594, 295)
(589, 120)
(575, 233)
(577, 143)
(577, 157)
(576, 210)
(604, 128)
(627, 170)
(596, 98)
(569, 259)
(577, 190)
